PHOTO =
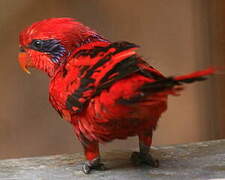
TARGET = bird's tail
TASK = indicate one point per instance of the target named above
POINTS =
(158, 90)
(196, 76)
(171, 85)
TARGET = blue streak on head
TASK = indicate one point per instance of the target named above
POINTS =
(51, 46)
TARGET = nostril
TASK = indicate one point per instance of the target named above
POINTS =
(22, 49)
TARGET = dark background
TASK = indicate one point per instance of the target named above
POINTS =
(176, 36)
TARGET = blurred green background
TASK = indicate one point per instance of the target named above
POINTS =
(176, 36)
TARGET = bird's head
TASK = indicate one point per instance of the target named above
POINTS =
(46, 44)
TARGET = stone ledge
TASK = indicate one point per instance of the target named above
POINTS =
(203, 160)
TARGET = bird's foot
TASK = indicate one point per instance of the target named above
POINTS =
(93, 164)
(144, 158)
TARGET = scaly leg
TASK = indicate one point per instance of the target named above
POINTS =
(92, 155)
(144, 157)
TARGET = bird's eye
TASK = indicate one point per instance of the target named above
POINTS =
(37, 44)
(50, 47)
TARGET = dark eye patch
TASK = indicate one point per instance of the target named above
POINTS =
(50, 46)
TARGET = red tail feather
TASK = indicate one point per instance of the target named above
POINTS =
(201, 73)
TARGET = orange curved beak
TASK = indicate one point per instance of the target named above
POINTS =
(24, 62)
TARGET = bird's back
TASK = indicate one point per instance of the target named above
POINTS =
(101, 89)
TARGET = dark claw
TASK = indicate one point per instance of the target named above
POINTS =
(101, 167)
(94, 164)
(86, 169)
(139, 158)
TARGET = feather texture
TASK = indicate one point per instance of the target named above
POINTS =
(104, 89)
(110, 92)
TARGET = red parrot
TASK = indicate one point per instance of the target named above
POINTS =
(104, 89)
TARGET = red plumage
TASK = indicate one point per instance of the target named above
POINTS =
(104, 89)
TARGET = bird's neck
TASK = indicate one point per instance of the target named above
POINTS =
(52, 69)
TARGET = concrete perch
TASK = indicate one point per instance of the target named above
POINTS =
(200, 161)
